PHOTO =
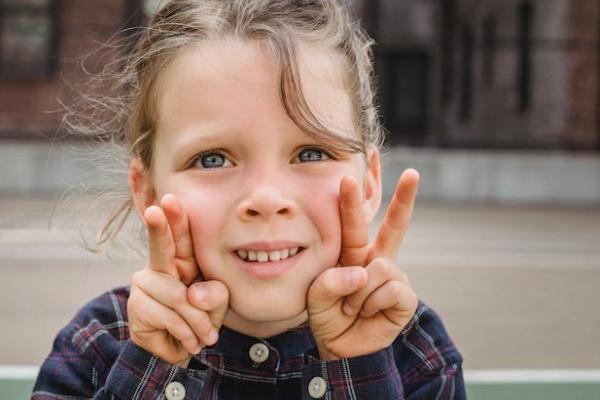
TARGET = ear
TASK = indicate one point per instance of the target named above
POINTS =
(140, 185)
(372, 184)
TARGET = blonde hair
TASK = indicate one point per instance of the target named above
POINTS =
(281, 24)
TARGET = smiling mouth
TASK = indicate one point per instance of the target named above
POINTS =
(265, 256)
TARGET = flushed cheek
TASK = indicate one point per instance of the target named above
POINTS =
(323, 210)
(206, 215)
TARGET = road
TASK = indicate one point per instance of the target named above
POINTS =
(518, 287)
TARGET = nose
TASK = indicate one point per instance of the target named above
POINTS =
(265, 202)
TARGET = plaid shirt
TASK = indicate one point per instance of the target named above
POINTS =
(93, 357)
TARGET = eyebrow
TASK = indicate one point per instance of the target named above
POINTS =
(195, 141)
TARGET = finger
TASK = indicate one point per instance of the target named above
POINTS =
(379, 271)
(161, 248)
(179, 225)
(333, 284)
(212, 297)
(398, 215)
(172, 293)
(184, 251)
(355, 237)
(163, 318)
(395, 299)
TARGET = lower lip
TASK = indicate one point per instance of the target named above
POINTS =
(269, 269)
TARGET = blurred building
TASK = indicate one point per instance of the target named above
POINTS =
(459, 73)
(42, 43)
(489, 73)
(472, 87)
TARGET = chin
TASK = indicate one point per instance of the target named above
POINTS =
(269, 310)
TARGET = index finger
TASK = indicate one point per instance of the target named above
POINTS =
(355, 236)
(161, 248)
(184, 251)
(398, 215)
(179, 226)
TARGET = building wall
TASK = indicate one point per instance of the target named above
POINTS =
(29, 107)
(584, 67)
(562, 111)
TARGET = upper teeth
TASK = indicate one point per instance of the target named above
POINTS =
(263, 256)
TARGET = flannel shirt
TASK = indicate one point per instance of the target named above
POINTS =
(93, 357)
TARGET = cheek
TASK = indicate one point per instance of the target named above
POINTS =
(323, 210)
(205, 212)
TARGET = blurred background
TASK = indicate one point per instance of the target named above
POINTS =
(495, 102)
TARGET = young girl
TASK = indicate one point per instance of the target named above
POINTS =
(254, 164)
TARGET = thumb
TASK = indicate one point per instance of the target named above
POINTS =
(333, 284)
(212, 297)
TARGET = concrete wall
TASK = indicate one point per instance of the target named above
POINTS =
(447, 175)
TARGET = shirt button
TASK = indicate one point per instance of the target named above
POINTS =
(317, 387)
(259, 352)
(175, 391)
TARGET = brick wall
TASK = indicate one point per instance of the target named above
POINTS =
(563, 110)
(583, 65)
(29, 108)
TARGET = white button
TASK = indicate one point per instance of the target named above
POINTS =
(259, 352)
(175, 391)
(317, 387)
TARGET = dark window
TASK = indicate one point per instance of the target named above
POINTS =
(27, 39)
(448, 21)
(406, 95)
(466, 73)
(525, 24)
(489, 51)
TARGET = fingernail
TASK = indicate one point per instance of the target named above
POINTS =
(213, 337)
(199, 293)
(198, 349)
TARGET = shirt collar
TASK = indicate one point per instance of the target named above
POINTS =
(234, 345)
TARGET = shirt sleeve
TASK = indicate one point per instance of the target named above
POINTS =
(93, 358)
(421, 364)
(69, 373)
(428, 361)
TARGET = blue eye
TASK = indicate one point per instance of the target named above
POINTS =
(312, 155)
(211, 160)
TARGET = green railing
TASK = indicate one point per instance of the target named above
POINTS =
(481, 385)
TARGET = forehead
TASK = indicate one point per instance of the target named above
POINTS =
(220, 78)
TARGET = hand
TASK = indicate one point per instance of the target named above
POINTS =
(166, 317)
(361, 305)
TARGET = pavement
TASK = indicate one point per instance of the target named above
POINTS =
(517, 287)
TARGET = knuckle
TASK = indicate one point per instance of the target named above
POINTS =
(205, 326)
(189, 338)
(179, 298)
(396, 287)
(381, 266)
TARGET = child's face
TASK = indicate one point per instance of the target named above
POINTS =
(269, 182)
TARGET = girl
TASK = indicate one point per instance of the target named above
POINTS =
(254, 164)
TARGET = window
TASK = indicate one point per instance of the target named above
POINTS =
(525, 22)
(448, 18)
(466, 95)
(406, 95)
(489, 51)
(27, 39)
